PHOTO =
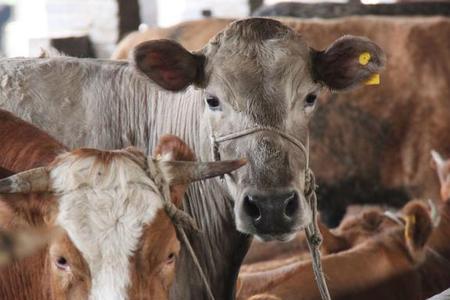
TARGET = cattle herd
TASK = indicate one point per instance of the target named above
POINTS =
(219, 121)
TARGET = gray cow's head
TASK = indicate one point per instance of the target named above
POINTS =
(258, 72)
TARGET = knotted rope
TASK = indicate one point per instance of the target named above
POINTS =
(312, 231)
(179, 218)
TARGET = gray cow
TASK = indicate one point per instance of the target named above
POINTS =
(257, 74)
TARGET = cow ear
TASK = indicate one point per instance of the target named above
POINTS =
(332, 243)
(418, 227)
(169, 64)
(347, 63)
(171, 147)
(24, 225)
(27, 210)
(440, 165)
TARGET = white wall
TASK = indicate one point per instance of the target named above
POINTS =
(171, 12)
(38, 20)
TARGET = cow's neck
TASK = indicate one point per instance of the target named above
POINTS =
(219, 247)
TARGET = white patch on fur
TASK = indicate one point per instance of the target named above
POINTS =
(103, 208)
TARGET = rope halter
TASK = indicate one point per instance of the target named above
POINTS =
(312, 230)
(180, 219)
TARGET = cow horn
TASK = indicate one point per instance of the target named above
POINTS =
(434, 213)
(183, 172)
(34, 180)
(437, 158)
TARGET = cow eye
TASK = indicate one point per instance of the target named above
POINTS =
(310, 99)
(62, 263)
(213, 102)
(171, 258)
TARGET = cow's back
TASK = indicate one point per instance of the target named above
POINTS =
(193, 35)
(24, 146)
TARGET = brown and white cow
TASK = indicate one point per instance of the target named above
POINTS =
(93, 221)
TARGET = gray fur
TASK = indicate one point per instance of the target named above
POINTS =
(261, 72)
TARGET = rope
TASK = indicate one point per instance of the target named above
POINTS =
(196, 261)
(180, 219)
(314, 237)
(312, 231)
(217, 140)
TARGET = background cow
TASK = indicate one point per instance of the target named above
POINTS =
(395, 262)
(428, 274)
(339, 10)
(256, 73)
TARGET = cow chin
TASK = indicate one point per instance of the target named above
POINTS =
(279, 237)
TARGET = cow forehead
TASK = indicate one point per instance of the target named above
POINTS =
(265, 42)
(104, 208)
(250, 66)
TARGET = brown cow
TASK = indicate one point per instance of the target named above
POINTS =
(373, 144)
(298, 247)
(32, 147)
(382, 267)
(359, 224)
(190, 34)
(430, 276)
(99, 215)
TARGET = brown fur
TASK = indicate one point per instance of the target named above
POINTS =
(181, 152)
(23, 146)
(381, 267)
(153, 57)
(191, 35)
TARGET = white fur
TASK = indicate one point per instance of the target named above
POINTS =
(104, 208)
(437, 158)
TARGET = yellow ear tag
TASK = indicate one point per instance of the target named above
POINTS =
(410, 222)
(373, 80)
(364, 58)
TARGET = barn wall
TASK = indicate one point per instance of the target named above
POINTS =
(97, 18)
(38, 20)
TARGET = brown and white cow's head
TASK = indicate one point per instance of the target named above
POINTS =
(110, 235)
(261, 73)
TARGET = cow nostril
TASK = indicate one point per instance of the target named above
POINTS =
(292, 204)
(251, 208)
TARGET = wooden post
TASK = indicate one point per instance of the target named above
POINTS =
(129, 17)
(254, 5)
